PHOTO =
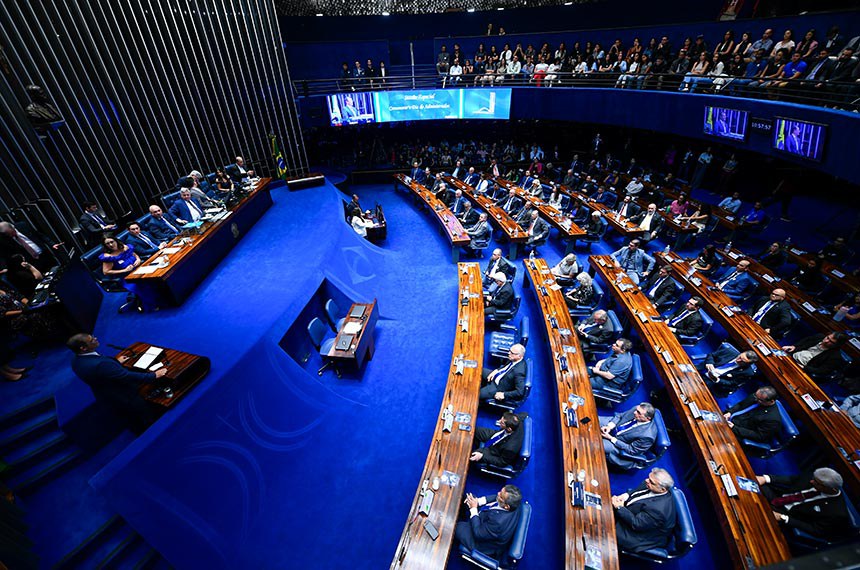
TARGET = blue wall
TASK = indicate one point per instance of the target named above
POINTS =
(323, 60)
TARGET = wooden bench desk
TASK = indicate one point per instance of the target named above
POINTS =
(450, 225)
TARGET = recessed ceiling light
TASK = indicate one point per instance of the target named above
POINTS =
(386, 13)
(319, 14)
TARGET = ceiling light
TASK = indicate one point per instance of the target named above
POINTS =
(386, 13)
(319, 14)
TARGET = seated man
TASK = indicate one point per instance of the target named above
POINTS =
(501, 445)
(724, 369)
(537, 230)
(186, 209)
(736, 281)
(567, 269)
(241, 170)
(144, 245)
(687, 320)
(509, 381)
(92, 224)
(636, 263)
(819, 354)
(524, 217)
(645, 517)
(500, 299)
(490, 530)
(442, 193)
(472, 177)
(773, 257)
(468, 216)
(836, 251)
(569, 179)
(731, 204)
(479, 233)
(161, 227)
(496, 264)
(526, 180)
(630, 432)
(761, 421)
(773, 313)
(660, 287)
(510, 202)
(596, 225)
(627, 208)
(634, 187)
(613, 371)
(815, 506)
(596, 329)
(650, 220)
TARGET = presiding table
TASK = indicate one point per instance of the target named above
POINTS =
(448, 457)
(451, 226)
(184, 371)
(356, 331)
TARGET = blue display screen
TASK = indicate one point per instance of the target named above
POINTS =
(726, 123)
(799, 138)
(350, 109)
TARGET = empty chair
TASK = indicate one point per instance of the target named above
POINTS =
(683, 538)
(805, 541)
(333, 313)
(596, 299)
(661, 444)
(786, 435)
(515, 551)
(511, 404)
(615, 395)
(502, 315)
(507, 336)
(323, 342)
(511, 471)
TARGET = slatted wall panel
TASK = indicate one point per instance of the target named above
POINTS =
(149, 90)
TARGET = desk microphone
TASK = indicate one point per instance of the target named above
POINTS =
(131, 354)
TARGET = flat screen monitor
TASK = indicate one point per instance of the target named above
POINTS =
(799, 138)
(726, 123)
(435, 104)
(350, 109)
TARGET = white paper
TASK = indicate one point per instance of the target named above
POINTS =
(170, 250)
(352, 327)
(148, 357)
(146, 269)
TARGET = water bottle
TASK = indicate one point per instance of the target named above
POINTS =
(532, 256)
(729, 246)
(666, 250)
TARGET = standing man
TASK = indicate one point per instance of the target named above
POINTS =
(701, 169)
(92, 224)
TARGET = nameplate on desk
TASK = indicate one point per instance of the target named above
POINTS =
(729, 485)
(728, 311)
(811, 402)
(601, 262)
(147, 269)
(568, 349)
(796, 251)
(694, 410)
(733, 255)
(357, 311)
(767, 278)
(667, 357)
(426, 502)
(763, 348)
(696, 281)
(170, 250)
(730, 218)
(837, 274)
(808, 306)
(543, 291)
(642, 317)
(148, 357)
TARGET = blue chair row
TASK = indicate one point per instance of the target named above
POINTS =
(617, 395)
(511, 471)
(508, 335)
(91, 257)
(515, 551)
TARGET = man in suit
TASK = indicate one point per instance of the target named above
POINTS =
(510, 202)
(628, 208)
(144, 245)
(537, 230)
(479, 233)
(660, 288)
(650, 221)
(576, 165)
(442, 193)
(587, 186)
(772, 313)
(468, 216)
(773, 257)
(186, 209)
(524, 217)
(736, 281)
(819, 354)
(793, 142)
(756, 417)
(645, 517)
(614, 370)
(93, 225)
(472, 177)
(500, 299)
(496, 264)
(596, 329)
(483, 185)
(243, 172)
(507, 382)
(490, 529)
(635, 262)
(728, 368)
(354, 207)
(111, 382)
(459, 172)
(162, 228)
(815, 506)
(569, 179)
(23, 240)
(502, 444)
(630, 432)
(417, 174)
(687, 320)
(527, 180)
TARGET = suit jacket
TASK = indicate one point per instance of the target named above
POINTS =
(514, 205)
(777, 318)
(503, 265)
(503, 298)
(723, 356)
(159, 230)
(505, 452)
(599, 334)
(493, 529)
(690, 326)
(646, 523)
(825, 517)
(469, 218)
(472, 179)
(760, 424)
(513, 383)
(141, 248)
(635, 440)
(841, 70)
(180, 210)
(480, 231)
(109, 380)
(541, 230)
(90, 225)
(632, 209)
(825, 363)
(664, 294)
(637, 260)
(741, 284)
(457, 204)
(656, 220)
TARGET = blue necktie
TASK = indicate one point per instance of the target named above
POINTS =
(745, 410)
(147, 240)
(99, 219)
(497, 438)
(657, 286)
(624, 427)
(680, 318)
(763, 311)
(169, 225)
(501, 372)
(729, 279)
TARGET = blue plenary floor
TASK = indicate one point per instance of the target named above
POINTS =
(387, 418)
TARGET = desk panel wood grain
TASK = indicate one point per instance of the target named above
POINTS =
(184, 371)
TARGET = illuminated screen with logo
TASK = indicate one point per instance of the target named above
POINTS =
(430, 104)
(350, 109)
(799, 138)
(726, 123)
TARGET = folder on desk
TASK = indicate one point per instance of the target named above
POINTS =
(357, 311)
(344, 342)
(148, 357)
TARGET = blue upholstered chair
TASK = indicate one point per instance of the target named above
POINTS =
(509, 404)
(788, 433)
(617, 329)
(511, 471)
(333, 313)
(503, 316)
(323, 341)
(614, 395)
(807, 542)
(683, 539)
(515, 551)
(661, 444)
(707, 324)
(508, 335)
(596, 299)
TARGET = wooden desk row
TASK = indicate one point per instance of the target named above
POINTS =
(840, 278)
(832, 428)
(569, 231)
(495, 214)
(818, 318)
(586, 529)
(752, 535)
(451, 226)
(449, 451)
(620, 224)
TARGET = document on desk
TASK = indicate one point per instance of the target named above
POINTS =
(352, 327)
(170, 250)
(145, 361)
(146, 269)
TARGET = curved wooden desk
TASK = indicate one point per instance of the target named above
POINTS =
(839, 277)
(582, 447)
(752, 535)
(451, 226)
(620, 224)
(449, 451)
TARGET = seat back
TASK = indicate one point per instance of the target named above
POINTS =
(635, 372)
(684, 537)
(518, 542)
(662, 443)
(332, 311)
(528, 443)
(616, 333)
(524, 331)
(317, 331)
(789, 431)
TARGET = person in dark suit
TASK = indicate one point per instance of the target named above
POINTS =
(458, 202)
(496, 264)
(502, 444)
(161, 227)
(813, 505)
(23, 240)
(93, 224)
(773, 313)
(510, 202)
(509, 381)
(649, 220)
(793, 142)
(819, 354)
(627, 208)
(472, 177)
(523, 218)
(645, 517)
(660, 288)
(492, 521)
(596, 329)
(635, 262)
(630, 432)
(468, 216)
(479, 234)
(756, 417)
(736, 281)
(145, 246)
(727, 368)
(417, 174)
(111, 382)
(687, 320)
(186, 209)
(444, 194)
(537, 230)
(773, 257)
(502, 298)
(354, 207)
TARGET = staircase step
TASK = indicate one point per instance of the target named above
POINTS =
(141, 557)
(103, 546)
(115, 556)
(27, 455)
(44, 471)
(26, 430)
(75, 558)
(28, 411)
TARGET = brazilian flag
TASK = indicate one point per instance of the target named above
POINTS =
(280, 163)
(709, 121)
(780, 135)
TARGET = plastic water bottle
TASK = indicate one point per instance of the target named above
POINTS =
(532, 256)
(729, 246)
(666, 250)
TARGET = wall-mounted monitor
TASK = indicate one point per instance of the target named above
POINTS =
(430, 104)
(350, 109)
(726, 123)
(799, 138)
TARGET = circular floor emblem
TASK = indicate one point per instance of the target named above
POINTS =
(235, 229)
